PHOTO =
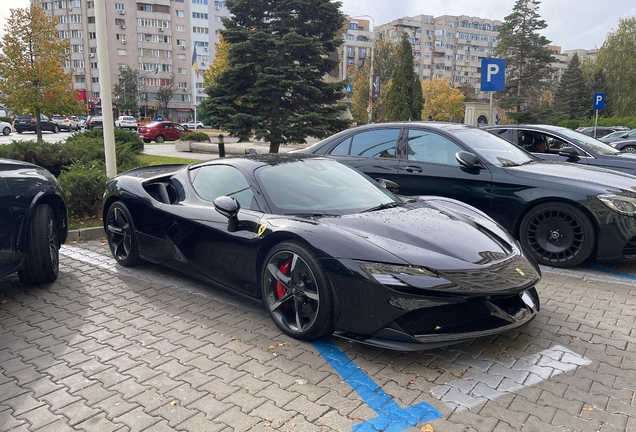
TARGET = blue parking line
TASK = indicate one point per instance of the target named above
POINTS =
(391, 417)
(612, 272)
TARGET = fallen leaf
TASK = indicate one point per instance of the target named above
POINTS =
(173, 403)
(587, 408)
(3, 301)
(427, 428)
(273, 347)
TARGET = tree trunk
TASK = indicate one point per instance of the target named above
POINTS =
(273, 147)
(38, 124)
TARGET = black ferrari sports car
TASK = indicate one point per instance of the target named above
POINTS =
(33, 222)
(562, 213)
(326, 249)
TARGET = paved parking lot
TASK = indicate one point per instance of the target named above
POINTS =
(108, 348)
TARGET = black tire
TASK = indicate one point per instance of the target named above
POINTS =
(199, 127)
(19, 131)
(6, 131)
(147, 141)
(160, 139)
(557, 234)
(121, 234)
(306, 311)
(42, 261)
(56, 129)
(629, 149)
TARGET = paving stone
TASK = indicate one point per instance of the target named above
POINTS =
(174, 413)
(22, 404)
(39, 417)
(77, 412)
(201, 423)
(115, 406)
(137, 420)
(237, 419)
(98, 423)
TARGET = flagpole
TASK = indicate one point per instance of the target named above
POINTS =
(195, 72)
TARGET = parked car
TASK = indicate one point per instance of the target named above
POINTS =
(619, 136)
(326, 249)
(81, 121)
(193, 125)
(566, 145)
(126, 122)
(6, 128)
(33, 222)
(161, 131)
(65, 122)
(24, 123)
(601, 131)
(625, 145)
(94, 122)
(563, 214)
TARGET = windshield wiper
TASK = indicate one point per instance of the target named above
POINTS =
(383, 206)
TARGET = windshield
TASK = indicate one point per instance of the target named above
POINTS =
(594, 144)
(493, 148)
(320, 187)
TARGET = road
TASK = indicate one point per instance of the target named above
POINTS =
(31, 136)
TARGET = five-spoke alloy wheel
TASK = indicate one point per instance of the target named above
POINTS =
(122, 237)
(41, 264)
(296, 292)
(557, 234)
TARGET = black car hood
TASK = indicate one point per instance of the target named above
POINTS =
(575, 175)
(430, 236)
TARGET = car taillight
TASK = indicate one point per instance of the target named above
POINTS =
(32, 120)
(66, 121)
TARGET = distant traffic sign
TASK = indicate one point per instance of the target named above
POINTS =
(599, 101)
(349, 88)
(493, 74)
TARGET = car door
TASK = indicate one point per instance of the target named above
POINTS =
(428, 166)
(374, 152)
(7, 231)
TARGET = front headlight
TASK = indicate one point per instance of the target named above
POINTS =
(622, 204)
(383, 272)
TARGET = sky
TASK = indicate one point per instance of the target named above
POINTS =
(571, 23)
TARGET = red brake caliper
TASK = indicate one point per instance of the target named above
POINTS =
(280, 288)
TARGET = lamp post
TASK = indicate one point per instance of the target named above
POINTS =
(370, 107)
(141, 75)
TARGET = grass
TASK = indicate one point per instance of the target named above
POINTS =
(147, 160)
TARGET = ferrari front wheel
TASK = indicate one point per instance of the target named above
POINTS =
(122, 237)
(296, 292)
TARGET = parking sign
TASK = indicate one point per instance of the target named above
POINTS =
(599, 101)
(493, 74)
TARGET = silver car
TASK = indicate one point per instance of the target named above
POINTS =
(6, 128)
(65, 122)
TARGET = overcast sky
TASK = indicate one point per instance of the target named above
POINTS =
(571, 23)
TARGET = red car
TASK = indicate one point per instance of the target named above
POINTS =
(161, 131)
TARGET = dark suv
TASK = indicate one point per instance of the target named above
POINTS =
(27, 123)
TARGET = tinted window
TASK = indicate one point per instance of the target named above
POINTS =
(496, 150)
(342, 148)
(427, 146)
(375, 143)
(596, 145)
(214, 181)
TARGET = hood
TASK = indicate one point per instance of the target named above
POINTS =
(431, 236)
(581, 176)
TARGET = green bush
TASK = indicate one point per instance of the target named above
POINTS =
(6, 119)
(83, 185)
(50, 156)
(131, 139)
(195, 136)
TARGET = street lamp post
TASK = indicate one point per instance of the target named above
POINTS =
(370, 107)
(141, 75)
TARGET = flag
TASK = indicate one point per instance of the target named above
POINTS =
(195, 63)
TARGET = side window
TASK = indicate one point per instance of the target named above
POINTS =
(213, 181)
(375, 143)
(426, 146)
(342, 148)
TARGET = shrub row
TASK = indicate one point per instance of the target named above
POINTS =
(79, 164)
(195, 136)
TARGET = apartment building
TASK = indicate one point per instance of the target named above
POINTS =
(356, 49)
(155, 37)
(447, 46)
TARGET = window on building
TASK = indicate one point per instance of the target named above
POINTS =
(77, 48)
(76, 18)
(95, 80)
(217, 18)
(91, 20)
(181, 71)
(180, 14)
(353, 26)
(199, 15)
(47, 5)
(62, 34)
(119, 6)
(92, 35)
(219, 4)
(76, 33)
(62, 19)
(181, 56)
(122, 52)
(183, 85)
(180, 28)
(94, 65)
(90, 5)
(59, 5)
(78, 64)
(80, 79)
(204, 2)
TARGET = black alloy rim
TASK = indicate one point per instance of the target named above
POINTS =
(294, 302)
(555, 235)
(52, 240)
(119, 234)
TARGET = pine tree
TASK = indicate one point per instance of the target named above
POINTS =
(598, 84)
(527, 60)
(403, 102)
(279, 53)
(572, 96)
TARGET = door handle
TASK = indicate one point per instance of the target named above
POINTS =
(413, 169)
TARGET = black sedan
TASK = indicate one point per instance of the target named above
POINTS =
(33, 222)
(24, 123)
(326, 249)
(562, 213)
(566, 145)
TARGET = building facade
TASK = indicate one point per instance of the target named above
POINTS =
(158, 38)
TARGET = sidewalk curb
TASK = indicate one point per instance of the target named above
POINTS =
(85, 234)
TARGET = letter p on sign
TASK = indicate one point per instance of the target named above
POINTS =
(493, 74)
(599, 101)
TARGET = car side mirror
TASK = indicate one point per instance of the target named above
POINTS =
(227, 206)
(388, 184)
(466, 160)
(570, 153)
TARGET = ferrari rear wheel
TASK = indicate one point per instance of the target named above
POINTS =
(296, 292)
(42, 261)
(122, 236)
(557, 234)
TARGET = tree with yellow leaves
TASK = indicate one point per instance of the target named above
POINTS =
(441, 101)
(31, 64)
(219, 64)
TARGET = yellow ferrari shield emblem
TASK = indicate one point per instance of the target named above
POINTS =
(261, 229)
(520, 272)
